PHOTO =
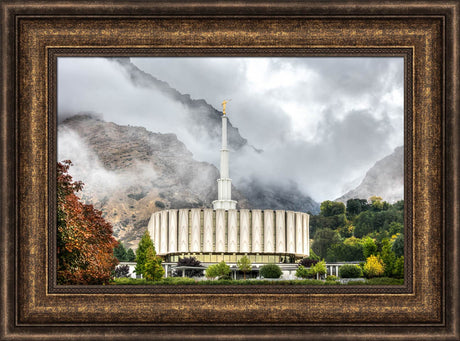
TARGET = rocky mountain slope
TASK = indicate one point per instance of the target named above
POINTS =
(129, 173)
(204, 119)
(384, 179)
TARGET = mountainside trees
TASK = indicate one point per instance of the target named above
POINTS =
(367, 231)
(84, 239)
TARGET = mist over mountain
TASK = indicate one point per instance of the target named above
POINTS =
(310, 116)
(384, 179)
(129, 173)
(202, 120)
(277, 196)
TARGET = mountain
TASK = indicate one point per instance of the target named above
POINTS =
(277, 196)
(385, 179)
(203, 118)
(130, 172)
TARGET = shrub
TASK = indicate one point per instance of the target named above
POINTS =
(178, 281)
(220, 270)
(270, 271)
(318, 269)
(398, 269)
(331, 278)
(188, 261)
(350, 271)
(302, 272)
(374, 267)
(121, 271)
(378, 281)
(308, 262)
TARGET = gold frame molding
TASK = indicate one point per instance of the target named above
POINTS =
(34, 34)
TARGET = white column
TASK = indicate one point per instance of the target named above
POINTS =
(195, 245)
(298, 234)
(306, 234)
(157, 231)
(164, 233)
(256, 231)
(151, 228)
(220, 230)
(208, 230)
(224, 184)
(232, 234)
(280, 231)
(244, 231)
(183, 230)
(290, 232)
(269, 231)
(172, 231)
(224, 151)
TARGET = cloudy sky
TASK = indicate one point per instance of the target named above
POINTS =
(322, 122)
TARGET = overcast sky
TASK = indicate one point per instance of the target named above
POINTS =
(322, 122)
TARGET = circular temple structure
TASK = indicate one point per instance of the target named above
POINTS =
(265, 236)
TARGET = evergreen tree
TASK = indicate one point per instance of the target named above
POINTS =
(130, 256)
(120, 252)
(388, 257)
(153, 271)
(398, 246)
(323, 240)
(141, 253)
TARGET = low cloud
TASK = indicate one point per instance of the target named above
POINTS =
(86, 164)
(321, 122)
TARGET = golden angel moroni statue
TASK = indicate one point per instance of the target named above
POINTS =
(224, 104)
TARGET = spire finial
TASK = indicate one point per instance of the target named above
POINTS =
(224, 104)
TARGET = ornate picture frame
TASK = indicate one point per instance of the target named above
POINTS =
(34, 34)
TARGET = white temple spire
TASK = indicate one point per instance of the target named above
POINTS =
(224, 184)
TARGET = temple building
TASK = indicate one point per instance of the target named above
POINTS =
(227, 233)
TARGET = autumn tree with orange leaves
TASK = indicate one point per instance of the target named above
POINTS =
(84, 239)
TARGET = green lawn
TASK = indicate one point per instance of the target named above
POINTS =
(190, 281)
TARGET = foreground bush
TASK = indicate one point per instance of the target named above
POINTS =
(143, 281)
(303, 272)
(190, 281)
(350, 271)
(220, 270)
(374, 267)
(192, 262)
(121, 271)
(378, 281)
(331, 278)
(318, 269)
(270, 271)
